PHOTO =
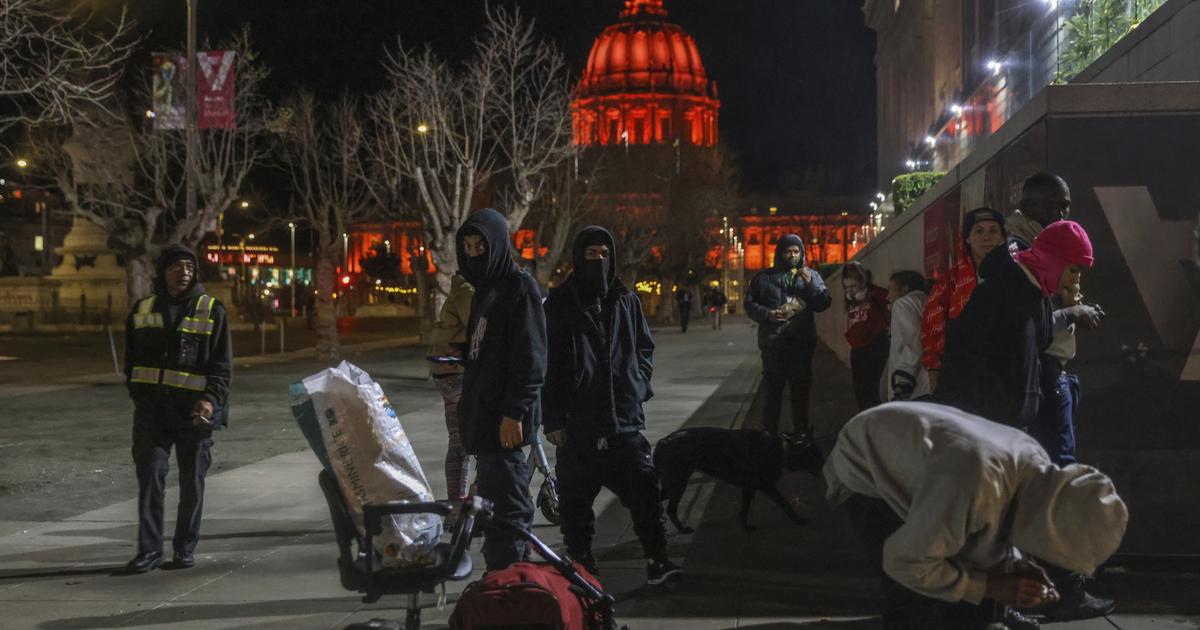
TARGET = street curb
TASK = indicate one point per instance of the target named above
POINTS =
(311, 353)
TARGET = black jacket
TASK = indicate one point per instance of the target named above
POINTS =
(770, 289)
(601, 358)
(505, 365)
(167, 347)
(991, 365)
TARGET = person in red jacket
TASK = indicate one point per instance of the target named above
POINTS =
(867, 317)
(982, 231)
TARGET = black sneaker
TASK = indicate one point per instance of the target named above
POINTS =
(660, 571)
(587, 561)
(1076, 603)
(184, 560)
(1014, 620)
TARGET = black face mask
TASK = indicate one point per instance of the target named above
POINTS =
(476, 269)
(593, 278)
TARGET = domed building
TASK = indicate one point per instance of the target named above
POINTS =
(645, 84)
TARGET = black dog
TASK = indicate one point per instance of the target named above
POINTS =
(751, 460)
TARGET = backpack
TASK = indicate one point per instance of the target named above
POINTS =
(527, 595)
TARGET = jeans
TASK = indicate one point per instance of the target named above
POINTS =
(1054, 427)
(787, 364)
(626, 468)
(156, 430)
(503, 479)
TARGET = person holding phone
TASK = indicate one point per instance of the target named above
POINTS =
(178, 366)
(959, 514)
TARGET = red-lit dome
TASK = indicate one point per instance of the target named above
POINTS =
(644, 77)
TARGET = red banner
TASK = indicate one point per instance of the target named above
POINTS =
(215, 89)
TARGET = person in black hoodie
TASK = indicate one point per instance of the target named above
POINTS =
(782, 300)
(178, 366)
(600, 363)
(504, 371)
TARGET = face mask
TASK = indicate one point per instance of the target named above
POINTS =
(593, 276)
(476, 269)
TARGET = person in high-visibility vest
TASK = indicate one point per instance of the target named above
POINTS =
(178, 365)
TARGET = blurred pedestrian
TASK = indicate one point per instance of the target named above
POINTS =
(714, 305)
(449, 342)
(684, 299)
(866, 332)
(178, 366)
(905, 378)
(504, 372)
(601, 358)
(982, 231)
(782, 300)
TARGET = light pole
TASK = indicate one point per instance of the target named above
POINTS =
(725, 255)
(292, 227)
(345, 252)
(190, 110)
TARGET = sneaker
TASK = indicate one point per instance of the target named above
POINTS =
(1014, 620)
(660, 571)
(1077, 603)
(587, 561)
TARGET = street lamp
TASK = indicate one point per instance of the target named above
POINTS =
(22, 163)
(292, 227)
(245, 204)
(422, 129)
(387, 246)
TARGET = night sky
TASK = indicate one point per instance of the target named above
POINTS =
(796, 77)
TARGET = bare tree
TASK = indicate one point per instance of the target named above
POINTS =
(558, 215)
(129, 178)
(432, 128)
(322, 149)
(54, 66)
(530, 108)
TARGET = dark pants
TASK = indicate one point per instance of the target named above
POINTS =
(874, 521)
(155, 432)
(787, 364)
(1054, 428)
(503, 479)
(626, 468)
(685, 314)
(866, 368)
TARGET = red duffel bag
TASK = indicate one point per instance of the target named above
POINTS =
(528, 595)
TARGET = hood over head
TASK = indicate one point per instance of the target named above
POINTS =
(593, 277)
(1060, 245)
(1071, 517)
(786, 241)
(497, 260)
(169, 255)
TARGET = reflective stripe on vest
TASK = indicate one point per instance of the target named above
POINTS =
(184, 380)
(142, 374)
(145, 317)
(200, 321)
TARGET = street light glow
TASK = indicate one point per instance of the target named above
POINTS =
(251, 237)
(881, 196)
(930, 140)
(245, 204)
(995, 65)
(957, 109)
(291, 226)
(422, 129)
(22, 163)
(150, 114)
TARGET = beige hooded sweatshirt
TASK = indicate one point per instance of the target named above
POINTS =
(971, 492)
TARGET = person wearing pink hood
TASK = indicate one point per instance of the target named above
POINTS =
(992, 362)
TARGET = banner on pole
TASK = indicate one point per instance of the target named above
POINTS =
(215, 89)
(168, 91)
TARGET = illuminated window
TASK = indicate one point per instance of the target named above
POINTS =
(38, 244)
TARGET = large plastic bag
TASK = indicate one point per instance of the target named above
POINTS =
(354, 431)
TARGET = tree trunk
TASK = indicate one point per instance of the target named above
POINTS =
(447, 263)
(139, 277)
(328, 346)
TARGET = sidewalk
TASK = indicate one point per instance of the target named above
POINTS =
(267, 557)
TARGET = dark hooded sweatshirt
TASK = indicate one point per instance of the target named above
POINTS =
(505, 365)
(771, 289)
(210, 355)
(601, 353)
(991, 365)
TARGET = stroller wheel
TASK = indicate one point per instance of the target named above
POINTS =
(547, 502)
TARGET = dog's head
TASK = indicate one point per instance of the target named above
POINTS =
(801, 453)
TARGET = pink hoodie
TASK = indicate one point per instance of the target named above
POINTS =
(1060, 245)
